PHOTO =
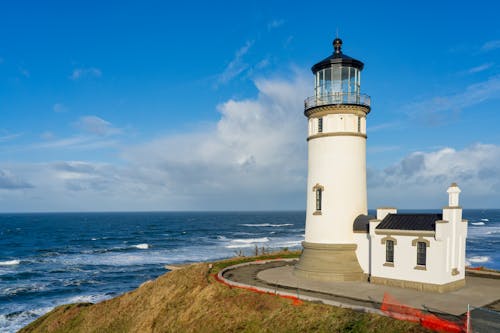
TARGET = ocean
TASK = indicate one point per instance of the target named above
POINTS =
(57, 258)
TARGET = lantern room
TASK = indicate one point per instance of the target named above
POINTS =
(337, 80)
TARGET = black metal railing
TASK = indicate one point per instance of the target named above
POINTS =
(337, 98)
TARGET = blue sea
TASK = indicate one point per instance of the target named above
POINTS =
(52, 259)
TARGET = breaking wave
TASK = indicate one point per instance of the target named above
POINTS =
(10, 262)
(143, 246)
(266, 225)
(478, 259)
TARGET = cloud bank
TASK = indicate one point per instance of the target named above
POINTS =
(254, 157)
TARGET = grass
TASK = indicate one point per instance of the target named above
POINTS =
(190, 300)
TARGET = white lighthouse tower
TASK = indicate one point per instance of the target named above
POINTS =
(336, 182)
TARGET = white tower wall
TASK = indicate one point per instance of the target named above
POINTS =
(338, 163)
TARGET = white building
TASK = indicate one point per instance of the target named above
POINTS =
(342, 243)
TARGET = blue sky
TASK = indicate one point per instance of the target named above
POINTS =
(198, 105)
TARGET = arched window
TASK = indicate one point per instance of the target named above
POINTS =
(318, 191)
(422, 244)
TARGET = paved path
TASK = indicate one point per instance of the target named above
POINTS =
(278, 275)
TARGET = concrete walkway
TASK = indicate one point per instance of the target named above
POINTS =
(278, 275)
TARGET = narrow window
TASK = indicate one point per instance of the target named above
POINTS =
(389, 251)
(320, 125)
(318, 199)
(359, 124)
(421, 253)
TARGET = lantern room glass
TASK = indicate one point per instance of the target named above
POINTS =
(338, 83)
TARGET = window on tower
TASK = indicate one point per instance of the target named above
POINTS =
(320, 125)
(359, 124)
(318, 191)
(319, 194)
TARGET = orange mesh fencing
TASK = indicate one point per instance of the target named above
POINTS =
(397, 310)
(295, 300)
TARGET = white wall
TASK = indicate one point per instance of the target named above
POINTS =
(446, 252)
(363, 250)
(338, 163)
(342, 122)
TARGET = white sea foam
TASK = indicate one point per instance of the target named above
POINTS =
(14, 321)
(485, 220)
(86, 299)
(10, 262)
(266, 225)
(251, 240)
(477, 223)
(238, 246)
(479, 259)
(222, 238)
(143, 246)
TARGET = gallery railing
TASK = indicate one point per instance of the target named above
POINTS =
(337, 98)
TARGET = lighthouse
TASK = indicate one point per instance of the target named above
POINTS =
(336, 180)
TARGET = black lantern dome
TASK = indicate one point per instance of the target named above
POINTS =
(337, 58)
(337, 80)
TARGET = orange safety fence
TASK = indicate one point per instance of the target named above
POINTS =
(295, 300)
(394, 309)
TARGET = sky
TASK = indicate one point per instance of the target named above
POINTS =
(156, 105)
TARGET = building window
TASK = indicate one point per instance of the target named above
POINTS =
(359, 124)
(320, 125)
(421, 253)
(319, 194)
(389, 251)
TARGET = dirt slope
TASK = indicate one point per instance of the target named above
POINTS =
(190, 300)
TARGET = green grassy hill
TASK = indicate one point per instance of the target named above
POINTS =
(190, 300)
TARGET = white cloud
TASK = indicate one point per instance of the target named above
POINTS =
(74, 143)
(480, 68)
(236, 66)
(420, 179)
(79, 73)
(275, 24)
(490, 45)
(256, 149)
(435, 110)
(24, 72)
(8, 181)
(254, 157)
(59, 107)
(97, 126)
(47, 135)
(9, 137)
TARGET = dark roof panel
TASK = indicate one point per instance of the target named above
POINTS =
(410, 222)
(361, 223)
(337, 58)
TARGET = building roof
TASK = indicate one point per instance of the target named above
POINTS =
(362, 222)
(410, 222)
(337, 58)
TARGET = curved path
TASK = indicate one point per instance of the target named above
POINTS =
(276, 276)
(246, 276)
